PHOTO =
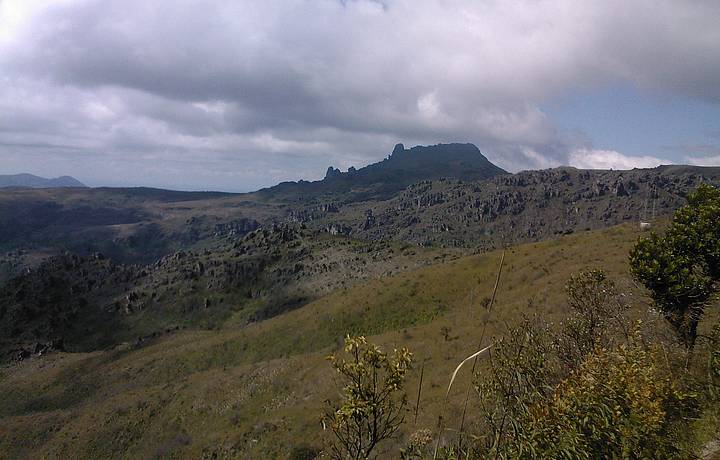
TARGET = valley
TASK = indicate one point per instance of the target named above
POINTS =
(257, 391)
(359, 230)
(144, 323)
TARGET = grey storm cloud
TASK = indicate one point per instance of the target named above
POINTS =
(240, 94)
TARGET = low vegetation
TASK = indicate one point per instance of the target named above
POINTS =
(597, 386)
(256, 390)
(213, 387)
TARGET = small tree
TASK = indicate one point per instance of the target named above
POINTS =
(522, 373)
(598, 316)
(682, 267)
(373, 398)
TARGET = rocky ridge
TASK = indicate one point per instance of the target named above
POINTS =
(507, 209)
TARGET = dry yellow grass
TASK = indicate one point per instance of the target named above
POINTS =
(258, 391)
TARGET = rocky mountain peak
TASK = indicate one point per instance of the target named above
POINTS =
(332, 172)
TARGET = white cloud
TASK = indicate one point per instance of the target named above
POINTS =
(282, 86)
(610, 159)
(704, 161)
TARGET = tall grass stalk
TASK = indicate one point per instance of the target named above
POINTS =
(475, 356)
(417, 403)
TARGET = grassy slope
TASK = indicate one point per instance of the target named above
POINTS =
(258, 391)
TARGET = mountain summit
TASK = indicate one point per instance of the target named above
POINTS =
(401, 168)
(457, 161)
(30, 181)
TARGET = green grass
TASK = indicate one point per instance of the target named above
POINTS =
(258, 391)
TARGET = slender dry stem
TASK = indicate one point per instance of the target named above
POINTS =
(476, 356)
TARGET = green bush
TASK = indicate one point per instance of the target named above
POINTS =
(521, 375)
(681, 267)
(304, 453)
(618, 404)
(598, 317)
(374, 400)
(713, 366)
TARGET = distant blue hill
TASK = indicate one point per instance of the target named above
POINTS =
(30, 181)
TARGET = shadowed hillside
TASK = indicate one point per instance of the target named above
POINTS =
(527, 206)
(257, 391)
(89, 303)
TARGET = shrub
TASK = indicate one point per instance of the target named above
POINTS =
(598, 317)
(418, 446)
(304, 453)
(615, 404)
(681, 267)
(713, 365)
(374, 401)
(521, 375)
(619, 404)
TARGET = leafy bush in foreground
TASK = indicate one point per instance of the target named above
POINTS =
(598, 317)
(520, 377)
(374, 401)
(618, 404)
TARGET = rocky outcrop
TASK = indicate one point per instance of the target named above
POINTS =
(332, 173)
(527, 206)
(237, 227)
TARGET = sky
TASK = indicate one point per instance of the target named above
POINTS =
(236, 94)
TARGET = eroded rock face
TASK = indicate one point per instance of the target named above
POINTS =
(527, 206)
(369, 220)
(619, 189)
(313, 212)
(237, 227)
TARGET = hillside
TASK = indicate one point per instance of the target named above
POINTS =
(150, 323)
(89, 303)
(136, 225)
(90, 268)
(30, 181)
(139, 226)
(527, 206)
(204, 258)
(257, 391)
